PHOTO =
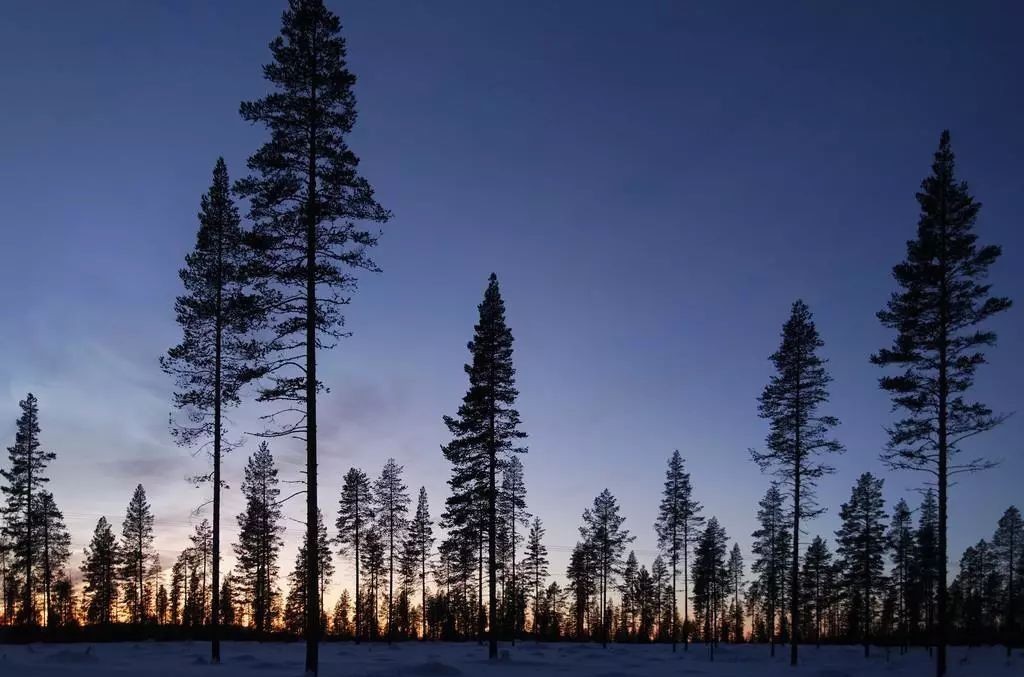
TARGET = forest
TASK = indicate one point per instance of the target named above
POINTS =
(263, 293)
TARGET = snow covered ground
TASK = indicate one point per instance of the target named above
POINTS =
(189, 659)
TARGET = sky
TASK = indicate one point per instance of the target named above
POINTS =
(654, 184)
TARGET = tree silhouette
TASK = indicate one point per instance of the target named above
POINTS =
(259, 538)
(936, 313)
(306, 197)
(798, 435)
(678, 524)
(605, 539)
(136, 552)
(214, 359)
(862, 546)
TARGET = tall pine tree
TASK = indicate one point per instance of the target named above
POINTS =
(355, 519)
(101, 561)
(418, 546)
(678, 525)
(485, 433)
(1008, 547)
(392, 499)
(136, 552)
(942, 300)
(799, 434)
(259, 539)
(306, 200)
(25, 479)
(55, 551)
(213, 360)
(606, 540)
(861, 550)
(535, 566)
(771, 548)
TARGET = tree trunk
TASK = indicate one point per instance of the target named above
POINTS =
(312, 603)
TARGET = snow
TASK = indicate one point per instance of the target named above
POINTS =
(526, 659)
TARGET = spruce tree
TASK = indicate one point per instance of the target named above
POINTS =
(679, 522)
(227, 602)
(814, 587)
(535, 565)
(355, 519)
(418, 545)
(861, 549)
(299, 586)
(735, 568)
(202, 558)
(771, 550)
(799, 433)
(306, 201)
(101, 561)
(55, 549)
(606, 540)
(259, 538)
(512, 514)
(900, 539)
(937, 313)
(25, 479)
(1008, 548)
(710, 580)
(213, 360)
(392, 499)
(136, 552)
(926, 559)
(485, 433)
(580, 574)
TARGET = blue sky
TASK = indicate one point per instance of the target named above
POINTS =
(654, 184)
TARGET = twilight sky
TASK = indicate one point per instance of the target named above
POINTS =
(653, 182)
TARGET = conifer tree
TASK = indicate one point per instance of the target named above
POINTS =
(901, 543)
(926, 559)
(1007, 547)
(392, 498)
(771, 550)
(512, 514)
(306, 202)
(535, 565)
(299, 585)
(55, 549)
(340, 623)
(25, 479)
(582, 585)
(418, 545)
(202, 557)
(606, 540)
(101, 561)
(136, 552)
(485, 433)
(679, 523)
(710, 580)
(942, 300)
(163, 606)
(861, 548)
(355, 519)
(814, 588)
(799, 433)
(227, 602)
(735, 569)
(259, 538)
(213, 360)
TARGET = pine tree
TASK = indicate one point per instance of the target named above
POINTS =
(55, 548)
(678, 524)
(582, 585)
(418, 545)
(814, 588)
(535, 565)
(163, 606)
(213, 360)
(901, 543)
(202, 554)
(798, 433)
(861, 547)
(606, 540)
(25, 479)
(101, 561)
(392, 507)
(299, 586)
(1008, 548)
(136, 552)
(710, 580)
(926, 560)
(306, 198)
(226, 600)
(485, 433)
(512, 513)
(340, 623)
(8, 578)
(735, 569)
(771, 548)
(259, 538)
(355, 518)
(942, 299)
